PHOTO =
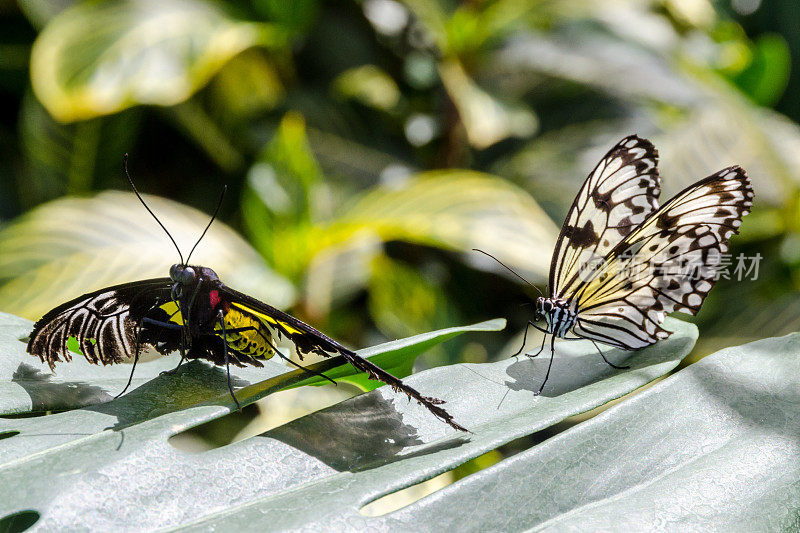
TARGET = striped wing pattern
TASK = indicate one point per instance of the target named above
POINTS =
(669, 263)
(619, 194)
(103, 323)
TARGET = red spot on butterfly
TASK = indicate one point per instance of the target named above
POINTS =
(214, 299)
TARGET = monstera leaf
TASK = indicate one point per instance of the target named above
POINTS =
(92, 467)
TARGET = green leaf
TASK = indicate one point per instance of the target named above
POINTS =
(767, 74)
(248, 86)
(368, 85)
(457, 210)
(397, 357)
(714, 444)
(98, 58)
(278, 205)
(71, 246)
(486, 119)
(297, 16)
(69, 157)
(27, 385)
(403, 299)
(40, 12)
(87, 468)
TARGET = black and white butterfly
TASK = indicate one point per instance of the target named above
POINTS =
(622, 263)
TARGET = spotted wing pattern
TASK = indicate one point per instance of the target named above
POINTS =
(103, 323)
(669, 263)
(619, 194)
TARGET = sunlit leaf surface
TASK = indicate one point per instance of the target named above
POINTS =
(715, 444)
(99, 463)
(98, 58)
(457, 210)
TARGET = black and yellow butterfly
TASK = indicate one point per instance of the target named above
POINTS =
(622, 263)
(193, 312)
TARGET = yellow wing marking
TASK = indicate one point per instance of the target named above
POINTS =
(173, 311)
(254, 341)
(269, 320)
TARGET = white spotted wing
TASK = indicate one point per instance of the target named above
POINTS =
(668, 263)
(619, 194)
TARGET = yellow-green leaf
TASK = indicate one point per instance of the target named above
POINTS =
(486, 119)
(457, 210)
(98, 58)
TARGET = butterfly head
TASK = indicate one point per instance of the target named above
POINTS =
(186, 277)
(539, 309)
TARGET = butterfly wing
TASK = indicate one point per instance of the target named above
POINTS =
(104, 323)
(669, 263)
(617, 196)
(261, 327)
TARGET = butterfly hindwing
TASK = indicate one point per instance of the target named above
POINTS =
(103, 322)
(618, 195)
(669, 263)
(266, 327)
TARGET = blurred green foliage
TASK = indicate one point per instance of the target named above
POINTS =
(369, 145)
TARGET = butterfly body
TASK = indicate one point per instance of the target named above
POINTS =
(558, 314)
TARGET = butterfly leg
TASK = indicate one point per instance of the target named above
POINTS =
(609, 363)
(541, 348)
(137, 347)
(175, 327)
(221, 317)
(135, 357)
(549, 366)
(524, 338)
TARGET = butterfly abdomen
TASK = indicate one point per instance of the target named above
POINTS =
(247, 335)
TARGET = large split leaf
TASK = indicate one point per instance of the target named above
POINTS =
(98, 58)
(714, 445)
(74, 245)
(110, 466)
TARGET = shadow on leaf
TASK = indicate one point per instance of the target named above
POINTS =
(568, 373)
(188, 385)
(359, 434)
(49, 395)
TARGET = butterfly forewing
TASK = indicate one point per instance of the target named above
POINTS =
(669, 263)
(617, 196)
(103, 322)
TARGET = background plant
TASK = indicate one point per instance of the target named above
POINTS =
(368, 146)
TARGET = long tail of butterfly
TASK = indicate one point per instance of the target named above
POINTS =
(669, 263)
(276, 325)
(377, 373)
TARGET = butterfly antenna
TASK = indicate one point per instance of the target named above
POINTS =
(219, 204)
(511, 270)
(139, 196)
